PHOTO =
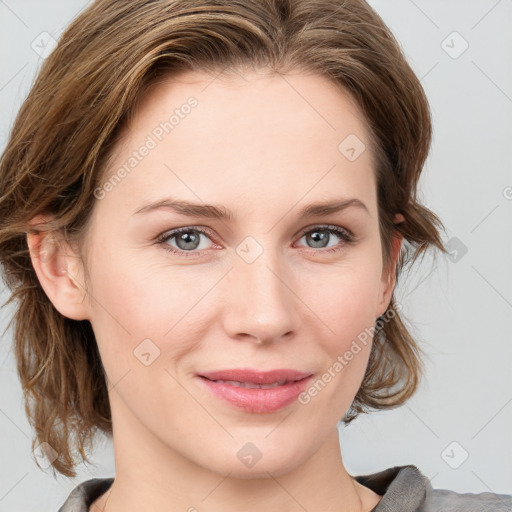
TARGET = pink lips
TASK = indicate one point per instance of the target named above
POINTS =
(286, 386)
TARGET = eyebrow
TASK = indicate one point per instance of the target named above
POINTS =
(320, 209)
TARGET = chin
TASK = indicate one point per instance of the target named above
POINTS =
(266, 461)
(258, 471)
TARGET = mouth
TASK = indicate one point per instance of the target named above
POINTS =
(251, 385)
(255, 391)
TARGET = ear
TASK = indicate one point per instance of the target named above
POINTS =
(59, 270)
(389, 275)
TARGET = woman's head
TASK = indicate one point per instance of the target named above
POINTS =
(261, 108)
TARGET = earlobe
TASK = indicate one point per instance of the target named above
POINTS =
(58, 269)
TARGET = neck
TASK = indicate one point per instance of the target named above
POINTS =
(154, 477)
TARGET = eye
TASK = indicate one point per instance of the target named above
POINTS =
(187, 240)
(320, 236)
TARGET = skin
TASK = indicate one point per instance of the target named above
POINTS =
(262, 145)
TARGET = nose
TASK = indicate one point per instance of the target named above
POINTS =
(262, 305)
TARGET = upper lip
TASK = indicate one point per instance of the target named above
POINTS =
(256, 376)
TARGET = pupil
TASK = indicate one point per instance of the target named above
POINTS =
(319, 237)
(185, 239)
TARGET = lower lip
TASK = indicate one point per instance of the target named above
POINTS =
(258, 400)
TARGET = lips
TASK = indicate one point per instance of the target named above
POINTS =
(249, 376)
(255, 391)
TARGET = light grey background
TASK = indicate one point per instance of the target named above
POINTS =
(458, 307)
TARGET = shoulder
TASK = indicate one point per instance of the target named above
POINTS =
(84, 494)
(407, 489)
(437, 500)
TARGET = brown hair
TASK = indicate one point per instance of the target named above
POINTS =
(88, 88)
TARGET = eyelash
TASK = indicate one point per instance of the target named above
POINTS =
(344, 234)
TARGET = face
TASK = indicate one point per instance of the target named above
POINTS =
(263, 288)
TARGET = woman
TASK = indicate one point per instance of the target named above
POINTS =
(203, 209)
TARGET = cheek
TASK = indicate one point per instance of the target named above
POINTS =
(346, 299)
(130, 295)
(345, 305)
(346, 347)
(140, 309)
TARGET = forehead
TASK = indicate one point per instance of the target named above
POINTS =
(263, 100)
(253, 135)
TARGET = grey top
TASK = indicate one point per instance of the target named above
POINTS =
(403, 489)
